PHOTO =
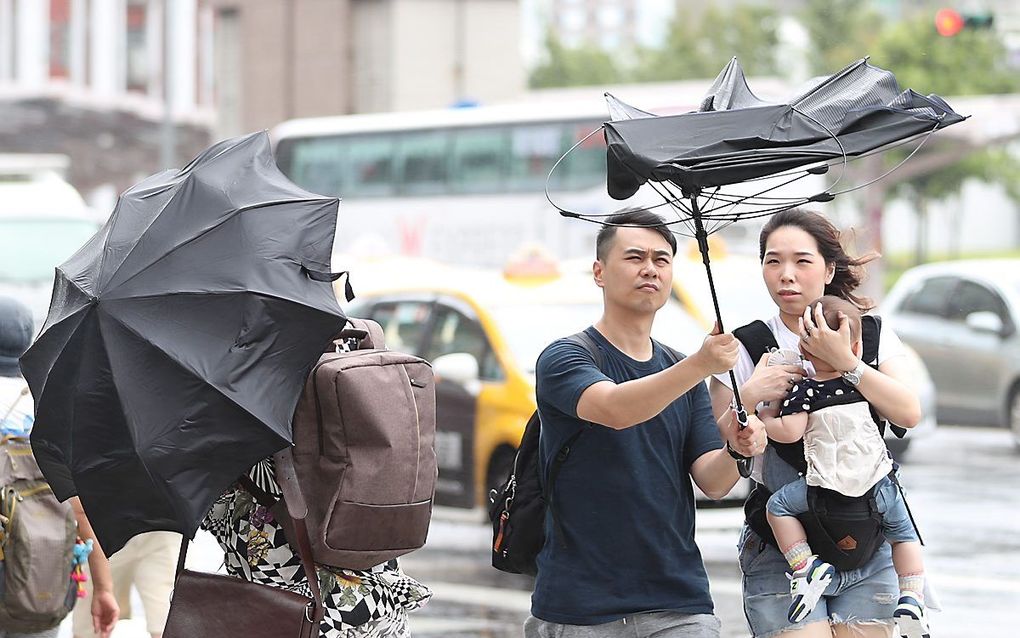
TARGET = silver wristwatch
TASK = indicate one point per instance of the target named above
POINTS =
(853, 377)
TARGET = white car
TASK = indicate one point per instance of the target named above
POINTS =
(961, 317)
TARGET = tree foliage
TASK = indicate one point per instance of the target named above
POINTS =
(697, 46)
(582, 66)
(840, 32)
(700, 46)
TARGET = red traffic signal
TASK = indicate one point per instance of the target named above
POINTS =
(948, 22)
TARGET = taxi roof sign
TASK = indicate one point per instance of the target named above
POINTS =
(532, 263)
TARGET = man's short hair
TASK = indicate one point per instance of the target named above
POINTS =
(635, 217)
(832, 306)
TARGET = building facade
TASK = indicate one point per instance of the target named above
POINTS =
(128, 87)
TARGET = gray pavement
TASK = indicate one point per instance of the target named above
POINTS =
(962, 485)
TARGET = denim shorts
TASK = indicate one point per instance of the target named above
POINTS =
(868, 594)
(792, 499)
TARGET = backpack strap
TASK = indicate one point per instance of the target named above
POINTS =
(364, 333)
(871, 335)
(675, 356)
(757, 339)
(584, 340)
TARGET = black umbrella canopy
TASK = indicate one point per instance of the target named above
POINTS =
(736, 136)
(179, 338)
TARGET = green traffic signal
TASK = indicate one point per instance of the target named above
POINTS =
(978, 20)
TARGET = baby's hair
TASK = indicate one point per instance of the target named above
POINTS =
(832, 306)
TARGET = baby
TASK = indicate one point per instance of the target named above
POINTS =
(845, 453)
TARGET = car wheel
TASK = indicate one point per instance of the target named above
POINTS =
(1013, 415)
(499, 468)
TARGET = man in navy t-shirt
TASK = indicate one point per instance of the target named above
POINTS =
(622, 559)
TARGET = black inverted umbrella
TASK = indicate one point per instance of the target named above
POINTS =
(735, 137)
(179, 338)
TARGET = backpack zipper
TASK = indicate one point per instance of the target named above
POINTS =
(417, 429)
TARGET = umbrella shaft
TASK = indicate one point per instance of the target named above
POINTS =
(702, 237)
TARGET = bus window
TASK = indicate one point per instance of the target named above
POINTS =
(478, 162)
(534, 150)
(371, 165)
(585, 167)
(423, 158)
(318, 165)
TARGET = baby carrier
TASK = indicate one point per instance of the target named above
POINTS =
(844, 531)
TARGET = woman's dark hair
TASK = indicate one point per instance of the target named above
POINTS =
(637, 217)
(849, 272)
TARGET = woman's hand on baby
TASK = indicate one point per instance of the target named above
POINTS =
(819, 340)
(770, 383)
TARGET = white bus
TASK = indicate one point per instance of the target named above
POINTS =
(466, 185)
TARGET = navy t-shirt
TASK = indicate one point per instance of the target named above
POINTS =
(623, 498)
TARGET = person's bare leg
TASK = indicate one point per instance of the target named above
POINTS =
(910, 614)
(820, 629)
(864, 629)
(811, 575)
(907, 559)
(787, 529)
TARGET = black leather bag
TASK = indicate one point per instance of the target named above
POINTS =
(217, 606)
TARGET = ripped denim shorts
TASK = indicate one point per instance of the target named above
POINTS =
(865, 595)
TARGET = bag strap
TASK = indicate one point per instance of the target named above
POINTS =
(903, 494)
(674, 355)
(368, 334)
(297, 511)
(871, 335)
(584, 340)
(297, 508)
(757, 339)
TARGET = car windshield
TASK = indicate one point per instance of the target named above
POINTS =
(529, 328)
(32, 248)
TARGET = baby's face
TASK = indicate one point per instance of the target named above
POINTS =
(818, 364)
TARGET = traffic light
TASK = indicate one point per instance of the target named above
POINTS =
(949, 22)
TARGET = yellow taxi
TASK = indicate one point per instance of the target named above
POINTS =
(483, 330)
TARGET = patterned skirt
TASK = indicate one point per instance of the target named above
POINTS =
(358, 603)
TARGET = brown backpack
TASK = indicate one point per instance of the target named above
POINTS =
(364, 435)
(37, 536)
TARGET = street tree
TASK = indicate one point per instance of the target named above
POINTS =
(573, 66)
(698, 45)
(839, 32)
